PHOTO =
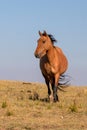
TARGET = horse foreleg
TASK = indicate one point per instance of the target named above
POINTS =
(50, 96)
(48, 86)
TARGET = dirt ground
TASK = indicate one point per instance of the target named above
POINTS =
(25, 106)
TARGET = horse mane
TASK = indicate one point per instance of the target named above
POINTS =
(51, 38)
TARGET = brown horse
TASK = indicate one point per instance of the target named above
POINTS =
(53, 62)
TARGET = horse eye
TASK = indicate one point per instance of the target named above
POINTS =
(44, 41)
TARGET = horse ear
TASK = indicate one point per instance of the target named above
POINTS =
(40, 33)
(45, 33)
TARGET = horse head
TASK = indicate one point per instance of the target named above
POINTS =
(44, 44)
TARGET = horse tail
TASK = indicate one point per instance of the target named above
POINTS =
(64, 81)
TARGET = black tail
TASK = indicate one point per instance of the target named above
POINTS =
(64, 81)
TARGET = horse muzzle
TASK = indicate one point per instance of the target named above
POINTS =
(40, 53)
(37, 56)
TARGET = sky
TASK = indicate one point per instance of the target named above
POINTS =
(20, 21)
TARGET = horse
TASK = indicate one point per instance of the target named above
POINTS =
(53, 63)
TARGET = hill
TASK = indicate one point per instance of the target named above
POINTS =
(24, 106)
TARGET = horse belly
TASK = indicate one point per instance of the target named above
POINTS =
(64, 64)
(63, 61)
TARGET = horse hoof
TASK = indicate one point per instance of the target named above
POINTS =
(51, 98)
(56, 99)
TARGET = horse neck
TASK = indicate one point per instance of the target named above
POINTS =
(51, 54)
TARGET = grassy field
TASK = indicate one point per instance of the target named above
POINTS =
(25, 107)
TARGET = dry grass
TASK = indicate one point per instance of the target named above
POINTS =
(25, 107)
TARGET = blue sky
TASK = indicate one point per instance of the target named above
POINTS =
(20, 21)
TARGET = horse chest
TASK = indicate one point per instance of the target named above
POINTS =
(47, 70)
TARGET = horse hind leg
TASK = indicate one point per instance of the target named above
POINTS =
(54, 87)
(55, 96)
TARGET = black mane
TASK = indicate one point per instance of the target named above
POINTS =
(51, 38)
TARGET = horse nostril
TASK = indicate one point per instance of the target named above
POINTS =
(36, 55)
